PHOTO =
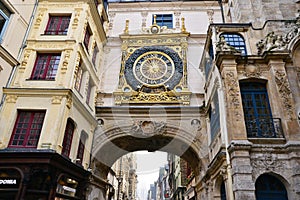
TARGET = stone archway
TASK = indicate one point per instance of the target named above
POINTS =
(177, 130)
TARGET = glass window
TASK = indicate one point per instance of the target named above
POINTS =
(78, 79)
(45, 67)
(164, 20)
(257, 111)
(4, 18)
(95, 53)
(269, 187)
(235, 40)
(214, 116)
(27, 129)
(67, 142)
(87, 37)
(81, 147)
(57, 25)
(89, 91)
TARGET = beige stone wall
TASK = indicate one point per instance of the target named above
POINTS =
(13, 36)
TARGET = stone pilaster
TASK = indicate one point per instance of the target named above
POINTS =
(280, 85)
(235, 117)
(243, 184)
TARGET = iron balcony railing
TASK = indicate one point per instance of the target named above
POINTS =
(264, 128)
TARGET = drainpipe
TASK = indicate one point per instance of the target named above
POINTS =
(23, 45)
(222, 10)
(229, 188)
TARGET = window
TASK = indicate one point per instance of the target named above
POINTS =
(257, 111)
(67, 142)
(269, 187)
(81, 147)
(27, 129)
(78, 79)
(235, 40)
(164, 20)
(87, 37)
(57, 25)
(4, 18)
(95, 53)
(223, 191)
(45, 67)
(214, 116)
(89, 92)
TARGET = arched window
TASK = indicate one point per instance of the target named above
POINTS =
(67, 142)
(269, 187)
(235, 40)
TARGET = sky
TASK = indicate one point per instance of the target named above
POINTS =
(148, 165)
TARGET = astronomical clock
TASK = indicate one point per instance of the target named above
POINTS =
(153, 67)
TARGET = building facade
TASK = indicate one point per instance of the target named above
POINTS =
(216, 83)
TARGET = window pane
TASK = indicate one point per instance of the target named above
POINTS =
(58, 25)
(27, 129)
(45, 67)
(236, 41)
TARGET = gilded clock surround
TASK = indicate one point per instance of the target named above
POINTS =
(153, 68)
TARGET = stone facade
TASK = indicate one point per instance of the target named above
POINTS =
(232, 111)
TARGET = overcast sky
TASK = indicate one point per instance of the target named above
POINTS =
(148, 165)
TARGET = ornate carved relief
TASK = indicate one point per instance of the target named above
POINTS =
(39, 17)
(285, 91)
(111, 20)
(274, 42)
(223, 46)
(266, 162)
(252, 71)
(144, 18)
(56, 99)
(233, 89)
(65, 61)
(25, 59)
(210, 14)
(148, 128)
(177, 19)
(76, 18)
(11, 98)
(233, 93)
(77, 63)
(69, 101)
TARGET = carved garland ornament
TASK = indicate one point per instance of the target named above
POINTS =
(285, 91)
(148, 128)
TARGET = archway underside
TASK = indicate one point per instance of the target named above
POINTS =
(114, 149)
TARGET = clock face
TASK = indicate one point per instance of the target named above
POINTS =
(153, 67)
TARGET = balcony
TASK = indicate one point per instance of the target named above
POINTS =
(264, 128)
